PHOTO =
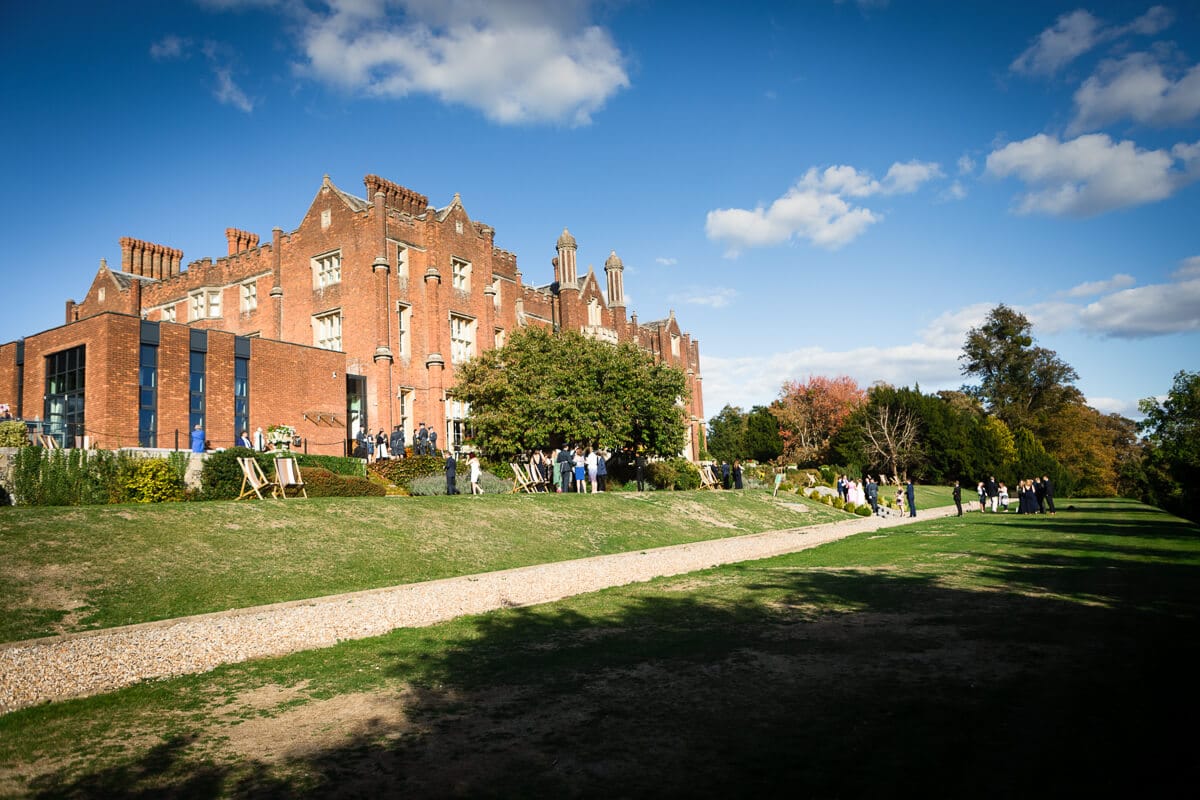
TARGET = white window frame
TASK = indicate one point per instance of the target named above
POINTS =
(500, 336)
(327, 330)
(593, 310)
(168, 314)
(401, 262)
(674, 345)
(249, 296)
(327, 269)
(403, 329)
(496, 284)
(197, 307)
(462, 338)
(460, 269)
(213, 299)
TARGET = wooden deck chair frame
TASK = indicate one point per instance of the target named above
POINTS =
(536, 481)
(707, 479)
(287, 476)
(521, 484)
(253, 476)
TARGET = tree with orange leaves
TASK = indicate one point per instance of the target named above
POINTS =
(811, 412)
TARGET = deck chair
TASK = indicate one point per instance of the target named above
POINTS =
(287, 476)
(252, 476)
(707, 479)
(536, 480)
(521, 484)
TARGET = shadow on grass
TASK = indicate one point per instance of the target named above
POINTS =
(779, 681)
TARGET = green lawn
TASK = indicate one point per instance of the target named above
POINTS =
(69, 569)
(990, 655)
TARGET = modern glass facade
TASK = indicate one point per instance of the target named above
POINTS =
(65, 382)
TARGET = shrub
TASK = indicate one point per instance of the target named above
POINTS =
(221, 477)
(673, 473)
(863, 511)
(13, 434)
(62, 477)
(849, 507)
(151, 480)
(827, 499)
(403, 471)
(838, 503)
(436, 484)
(338, 465)
(814, 495)
(320, 482)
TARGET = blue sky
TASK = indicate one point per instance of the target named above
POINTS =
(814, 187)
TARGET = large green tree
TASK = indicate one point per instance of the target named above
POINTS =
(1172, 430)
(1020, 382)
(763, 442)
(727, 435)
(542, 389)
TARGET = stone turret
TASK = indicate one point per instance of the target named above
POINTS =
(615, 270)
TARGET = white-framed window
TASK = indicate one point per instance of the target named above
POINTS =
(249, 296)
(327, 330)
(500, 337)
(401, 262)
(405, 396)
(594, 312)
(462, 339)
(674, 345)
(403, 329)
(327, 269)
(204, 304)
(461, 272)
(458, 430)
(168, 314)
(496, 284)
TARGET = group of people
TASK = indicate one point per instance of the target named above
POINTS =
(1034, 495)
(383, 446)
(866, 492)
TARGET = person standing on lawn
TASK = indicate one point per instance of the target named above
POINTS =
(602, 469)
(451, 473)
(958, 497)
(1048, 493)
(737, 474)
(910, 494)
(476, 474)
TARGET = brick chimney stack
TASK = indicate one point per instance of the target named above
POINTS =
(148, 259)
(240, 241)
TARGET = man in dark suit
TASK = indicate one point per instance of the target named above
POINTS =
(910, 493)
(958, 497)
(640, 464)
(563, 462)
(993, 491)
(432, 442)
(396, 445)
(1048, 493)
(451, 473)
(725, 475)
(873, 494)
(422, 439)
(1039, 491)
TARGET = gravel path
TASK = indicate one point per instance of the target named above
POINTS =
(93, 662)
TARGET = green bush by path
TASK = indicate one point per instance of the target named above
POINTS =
(221, 476)
(402, 471)
(13, 434)
(320, 482)
(339, 465)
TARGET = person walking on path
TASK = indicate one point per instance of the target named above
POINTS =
(910, 494)
(1048, 494)
(958, 497)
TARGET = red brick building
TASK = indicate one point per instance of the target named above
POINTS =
(355, 319)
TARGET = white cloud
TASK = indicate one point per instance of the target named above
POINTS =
(170, 48)
(220, 59)
(1076, 33)
(666, 262)
(1188, 268)
(955, 191)
(1113, 405)
(713, 298)
(816, 208)
(1136, 87)
(1093, 288)
(527, 62)
(1155, 310)
(966, 164)
(1071, 36)
(1092, 174)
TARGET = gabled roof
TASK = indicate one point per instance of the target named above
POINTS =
(354, 203)
(442, 213)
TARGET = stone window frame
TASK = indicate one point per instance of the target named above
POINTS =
(249, 296)
(323, 329)
(327, 269)
(462, 347)
(460, 271)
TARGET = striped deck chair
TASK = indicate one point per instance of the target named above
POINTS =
(536, 481)
(707, 479)
(252, 476)
(287, 475)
